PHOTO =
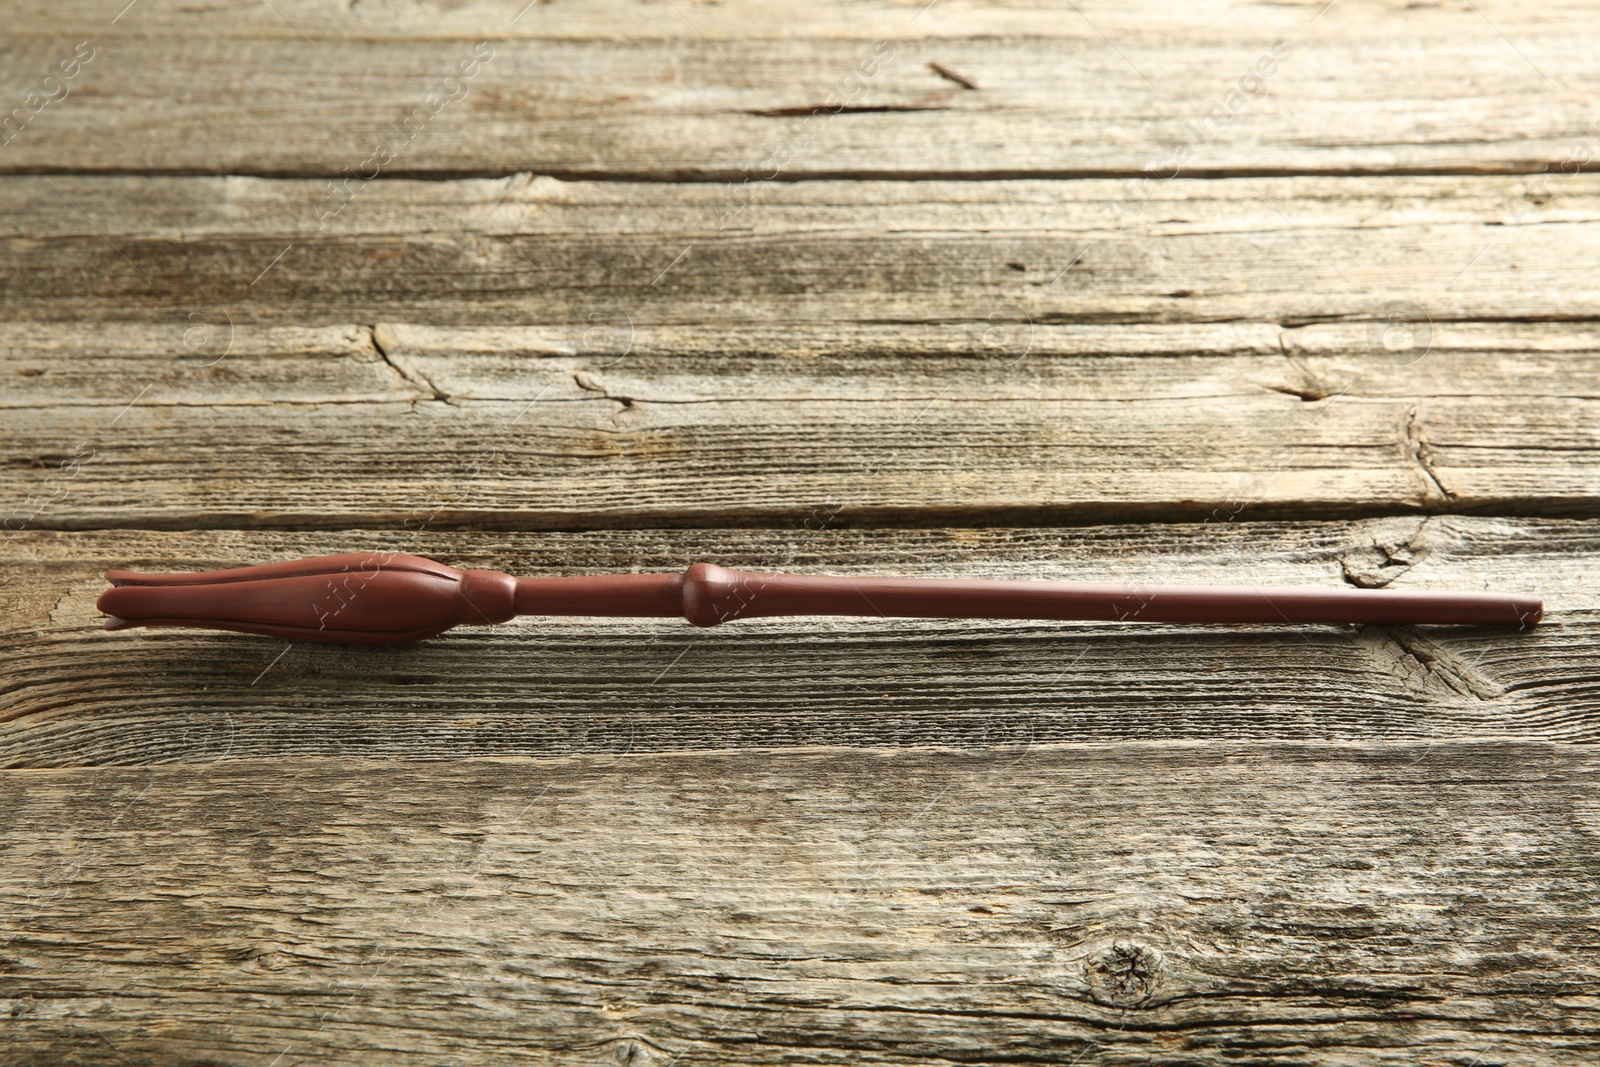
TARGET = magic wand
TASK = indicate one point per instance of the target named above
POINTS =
(389, 598)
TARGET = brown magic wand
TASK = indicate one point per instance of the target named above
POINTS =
(388, 598)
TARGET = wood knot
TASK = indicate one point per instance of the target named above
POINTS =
(1124, 975)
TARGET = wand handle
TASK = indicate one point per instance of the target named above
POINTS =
(390, 598)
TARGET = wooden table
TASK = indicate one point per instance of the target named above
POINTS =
(1300, 292)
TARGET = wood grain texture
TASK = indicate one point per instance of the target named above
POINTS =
(621, 425)
(718, 92)
(641, 297)
(1261, 904)
(536, 250)
(74, 694)
(731, 20)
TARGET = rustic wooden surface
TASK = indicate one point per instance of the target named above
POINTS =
(675, 89)
(1031, 290)
(1246, 903)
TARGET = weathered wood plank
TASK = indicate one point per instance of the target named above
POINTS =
(723, 91)
(1141, 904)
(199, 360)
(615, 425)
(538, 250)
(1135, 22)
(73, 694)
(202, 361)
(184, 209)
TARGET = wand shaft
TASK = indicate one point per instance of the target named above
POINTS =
(715, 595)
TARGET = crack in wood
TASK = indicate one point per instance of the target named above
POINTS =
(387, 344)
(805, 111)
(1418, 661)
(1421, 456)
(1389, 553)
(952, 76)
